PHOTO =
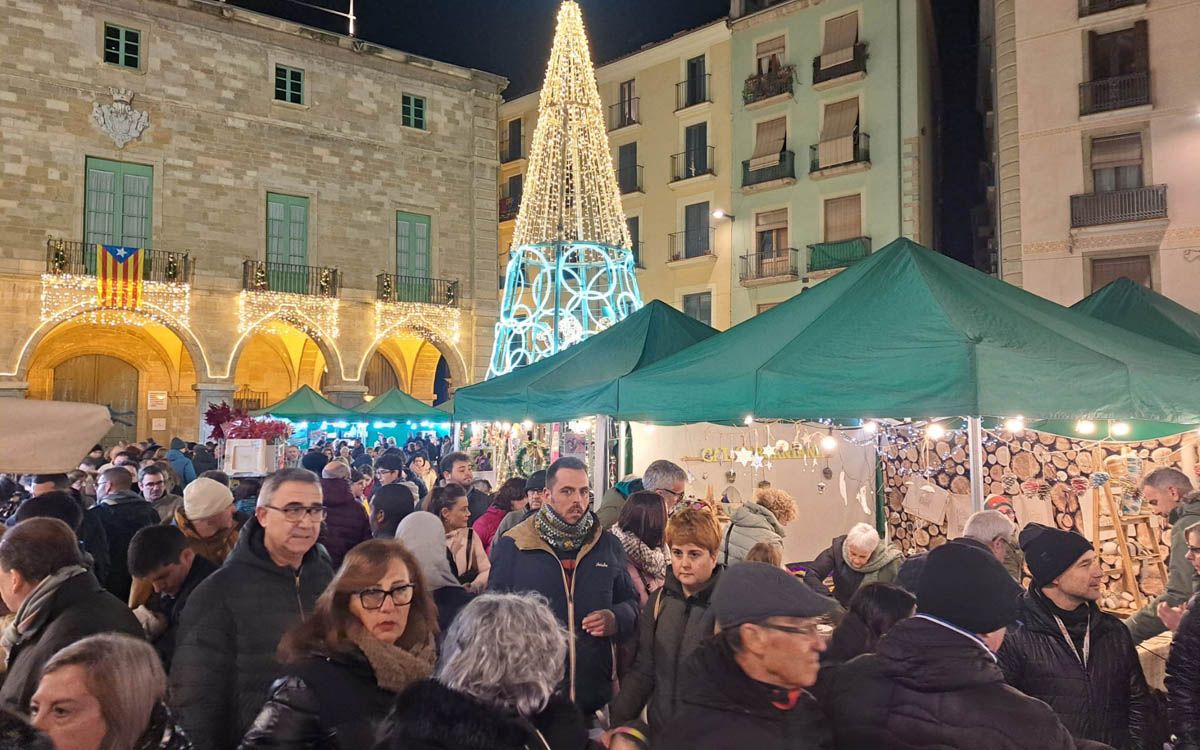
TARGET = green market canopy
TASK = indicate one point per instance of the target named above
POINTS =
(1131, 306)
(398, 405)
(911, 333)
(307, 405)
(582, 380)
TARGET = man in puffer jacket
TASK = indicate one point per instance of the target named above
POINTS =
(1060, 628)
(933, 681)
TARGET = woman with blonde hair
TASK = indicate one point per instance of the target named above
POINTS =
(760, 521)
(370, 636)
(106, 692)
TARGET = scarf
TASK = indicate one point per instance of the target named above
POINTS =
(651, 563)
(34, 611)
(395, 667)
(562, 537)
(883, 556)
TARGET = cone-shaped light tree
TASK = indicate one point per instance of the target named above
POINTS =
(570, 270)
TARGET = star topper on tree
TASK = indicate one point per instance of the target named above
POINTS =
(570, 272)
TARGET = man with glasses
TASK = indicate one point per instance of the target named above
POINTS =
(563, 553)
(666, 478)
(152, 481)
(390, 468)
(231, 626)
(745, 688)
(535, 497)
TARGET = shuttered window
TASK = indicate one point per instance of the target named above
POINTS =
(412, 244)
(770, 139)
(287, 229)
(843, 218)
(1117, 162)
(841, 34)
(769, 55)
(837, 133)
(117, 204)
(1107, 270)
(698, 306)
(771, 232)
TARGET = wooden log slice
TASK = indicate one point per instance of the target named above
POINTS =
(1060, 460)
(991, 458)
(1059, 496)
(1144, 452)
(942, 448)
(1026, 445)
(1041, 453)
(911, 453)
(1072, 504)
(1062, 444)
(995, 488)
(937, 542)
(1026, 466)
(960, 469)
(1073, 470)
(921, 537)
(1003, 455)
(1170, 441)
(959, 454)
(996, 472)
(1160, 456)
(960, 486)
(943, 480)
(1084, 459)
(1046, 438)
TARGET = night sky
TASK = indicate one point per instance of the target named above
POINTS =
(513, 37)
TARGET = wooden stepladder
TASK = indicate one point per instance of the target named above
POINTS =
(1106, 508)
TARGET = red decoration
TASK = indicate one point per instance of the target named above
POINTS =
(228, 422)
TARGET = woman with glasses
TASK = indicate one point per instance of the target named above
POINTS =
(370, 636)
(464, 548)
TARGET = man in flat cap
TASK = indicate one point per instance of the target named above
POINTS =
(933, 680)
(1065, 651)
(746, 687)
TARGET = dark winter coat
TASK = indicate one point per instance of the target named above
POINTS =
(1182, 579)
(171, 608)
(1183, 683)
(332, 703)
(163, 733)
(78, 609)
(430, 716)
(450, 600)
(346, 521)
(1108, 702)
(203, 459)
(928, 686)
(720, 708)
(225, 657)
(673, 625)
(912, 568)
(846, 580)
(523, 561)
(93, 539)
(122, 514)
(183, 467)
(478, 502)
(614, 499)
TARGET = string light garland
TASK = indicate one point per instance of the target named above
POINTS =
(73, 297)
(315, 316)
(571, 273)
(440, 323)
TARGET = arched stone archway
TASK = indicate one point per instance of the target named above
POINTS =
(273, 362)
(410, 341)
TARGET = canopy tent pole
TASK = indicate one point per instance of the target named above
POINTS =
(600, 455)
(622, 446)
(975, 446)
(454, 429)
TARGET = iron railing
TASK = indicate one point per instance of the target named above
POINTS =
(624, 113)
(693, 91)
(1092, 7)
(390, 287)
(509, 207)
(693, 163)
(510, 150)
(73, 257)
(1116, 206)
(785, 169)
(769, 84)
(860, 154)
(823, 256)
(1118, 92)
(780, 264)
(629, 179)
(856, 64)
(246, 399)
(269, 276)
(691, 243)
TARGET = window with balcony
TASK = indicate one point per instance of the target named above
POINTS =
(412, 245)
(841, 52)
(629, 173)
(510, 197)
(1119, 193)
(634, 225)
(698, 306)
(769, 55)
(287, 243)
(1119, 70)
(511, 147)
(696, 158)
(772, 257)
(841, 140)
(1134, 267)
(771, 77)
(693, 89)
(844, 243)
(1117, 163)
(697, 234)
(771, 160)
(117, 204)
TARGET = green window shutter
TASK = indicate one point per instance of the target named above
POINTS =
(287, 243)
(412, 245)
(289, 84)
(118, 203)
(122, 46)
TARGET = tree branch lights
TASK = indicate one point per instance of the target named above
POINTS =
(571, 273)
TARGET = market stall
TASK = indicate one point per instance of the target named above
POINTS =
(313, 417)
(395, 414)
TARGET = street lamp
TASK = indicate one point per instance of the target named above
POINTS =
(720, 214)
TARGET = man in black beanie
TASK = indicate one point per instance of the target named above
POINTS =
(933, 680)
(1067, 652)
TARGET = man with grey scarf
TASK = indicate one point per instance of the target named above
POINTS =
(56, 600)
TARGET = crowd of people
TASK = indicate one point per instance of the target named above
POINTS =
(379, 598)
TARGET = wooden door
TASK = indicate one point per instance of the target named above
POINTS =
(104, 380)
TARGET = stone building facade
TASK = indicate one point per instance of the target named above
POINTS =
(310, 209)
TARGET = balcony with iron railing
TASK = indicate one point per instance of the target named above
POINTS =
(768, 85)
(509, 207)
(771, 267)
(856, 64)
(693, 91)
(629, 179)
(764, 177)
(73, 257)
(510, 150)
(1118, 92)
(825, 256)
(1119, 206)
(624, 113)
(860, 153)
(292, 278)
(1092, 7)
(691, 243)
(390, 287)
(693, 163)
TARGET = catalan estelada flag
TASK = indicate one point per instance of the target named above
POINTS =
(119, 276)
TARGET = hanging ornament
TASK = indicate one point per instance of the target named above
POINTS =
(743, 456)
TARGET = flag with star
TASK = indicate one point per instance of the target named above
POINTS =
(119, 276)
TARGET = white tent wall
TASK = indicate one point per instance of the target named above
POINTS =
(823, 514)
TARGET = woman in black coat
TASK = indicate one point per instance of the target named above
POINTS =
(370, 637)
(501, 662)
(1183, 666)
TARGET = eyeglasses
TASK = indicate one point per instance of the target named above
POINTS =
(808, 631)
(373, 598)
(295, 513)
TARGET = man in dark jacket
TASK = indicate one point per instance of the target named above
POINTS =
(1169, 492)
(161, 555)
(1068, 653)
(90, 532)
(988, 530)
(347, 523)
(390, 468)
(56, 601)
(1183, 665)
(747, 686)
(566, 556)
(933, 680)
(230, 629)
(123, 513)
(456, 468)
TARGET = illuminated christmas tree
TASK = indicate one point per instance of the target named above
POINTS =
(570, 271)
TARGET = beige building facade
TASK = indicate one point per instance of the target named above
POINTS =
(307, 208)
(1096, 144)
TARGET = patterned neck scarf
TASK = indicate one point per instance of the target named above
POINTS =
(562, 537)
(651, 563)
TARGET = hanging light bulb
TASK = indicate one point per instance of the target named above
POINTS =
(1085, 427)
(749, 419)
(935, 431)
(829, 443)
(1015, 424)
(527, 424)
(870, 427)
(1120, 429)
